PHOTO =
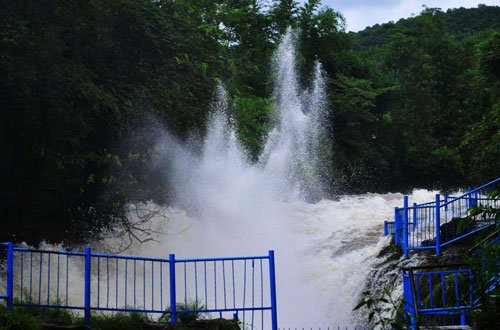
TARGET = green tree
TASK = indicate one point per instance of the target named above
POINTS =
(82, 79)
(283, 14)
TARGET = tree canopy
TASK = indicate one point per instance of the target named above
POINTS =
(85, 84)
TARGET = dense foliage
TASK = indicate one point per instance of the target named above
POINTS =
(86, 84)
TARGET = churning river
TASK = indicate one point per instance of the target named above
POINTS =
(225, 205)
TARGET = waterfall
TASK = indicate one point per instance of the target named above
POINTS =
(225, 205)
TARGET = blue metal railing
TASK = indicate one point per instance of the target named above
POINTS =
(445, 297)
(389, 227)
(442, 297)
(489, 264)
(238, 287)
(435, 224)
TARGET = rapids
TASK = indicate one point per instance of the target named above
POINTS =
(225, 205)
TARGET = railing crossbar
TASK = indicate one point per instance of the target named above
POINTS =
(471, 191)
(441, 222)
(113, 283)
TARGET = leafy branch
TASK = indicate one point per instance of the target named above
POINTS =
(382, 311)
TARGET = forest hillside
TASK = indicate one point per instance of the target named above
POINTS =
(87, 85)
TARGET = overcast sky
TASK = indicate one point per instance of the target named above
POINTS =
(362, 13)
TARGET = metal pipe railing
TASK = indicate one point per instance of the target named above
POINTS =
(53, 279)
(433, 225)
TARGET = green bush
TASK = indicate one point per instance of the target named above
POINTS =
(19, 319)
(184, 317)
(118, 321)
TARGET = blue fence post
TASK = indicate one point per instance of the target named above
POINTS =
(438, 225)
(272, 278)
(173, 299)
(10, 276)
(386, 228)
(414, 216)
(468, 199)
(446, 207)
(405, 227)
(408, 298)
(88, 259)
(463, 320)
